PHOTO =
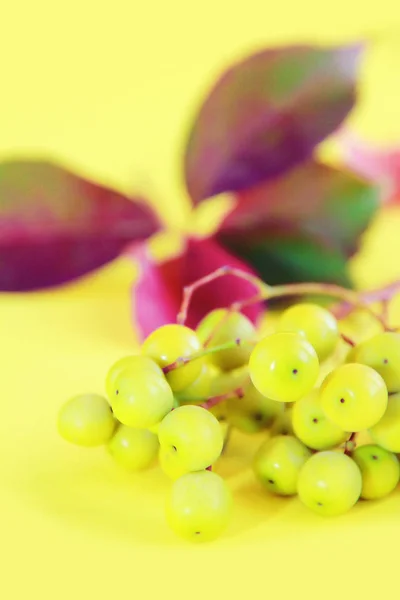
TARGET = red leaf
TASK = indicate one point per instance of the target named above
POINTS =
(158, 292)
(266, 114)
(56, 226)
(302, 225)
(381, 165)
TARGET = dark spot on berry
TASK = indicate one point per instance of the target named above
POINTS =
(315, 420)
(342, 400)
(319, 504)
(271, 481)
(374, 457)
(385, 361)
(174, 448)
(295, 371)
(258, 417)
(197, 532)
(284, 432)
(116, 392)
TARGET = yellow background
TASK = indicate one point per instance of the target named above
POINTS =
(108, 88)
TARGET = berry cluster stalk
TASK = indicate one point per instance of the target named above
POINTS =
(266, 292)
(214, 400)
(181, 361)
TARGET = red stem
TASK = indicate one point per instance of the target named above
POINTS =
(179, 362)
(385, 309)
(383, 295)
(348, 340)
(214, 400)
(189, 290)
(237, 306)
(217, 327)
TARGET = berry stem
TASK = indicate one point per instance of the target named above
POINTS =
(239, 306)
(324, 289)
(385, 309)
(189, 290)
(181, 361)
(267, 292)
(214, 400)
(227, 438)
(348, 340)
(217, 327)
(383, 295)
(350, 444)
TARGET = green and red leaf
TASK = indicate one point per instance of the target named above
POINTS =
(56, 226)
(302, 226)
(157, 295)
(266, 114)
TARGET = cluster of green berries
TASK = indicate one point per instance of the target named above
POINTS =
(177, 399)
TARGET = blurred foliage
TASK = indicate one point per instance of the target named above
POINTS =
(254, 137)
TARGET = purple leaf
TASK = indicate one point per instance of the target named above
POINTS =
(301, 226)
(56, 226)
(157, 295)
(266, 114)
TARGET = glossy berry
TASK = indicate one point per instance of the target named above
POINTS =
(386, 432)
(198, 507)
(278, 462)
(170, 342)
(382, 353)
(221, 326)
(132, 448)
(284, 367)
(354, 397)
(133, 363)
(141, 398)
(86, 420)
(316, 323)
(329, 483)
(190, 438)
(380, 471)
(312, 426)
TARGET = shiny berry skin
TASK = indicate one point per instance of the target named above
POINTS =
(354, 397)
(86, 420)
(141, 398)
(386, 432)
(278, 462)
(170, 342)
(134, 362)
(134, 449)
(198, 507)
(317, 324)
(225, 326)
(312, 426)
(284, 367)
(382, 353)
(329, 483)
(190, 438)
(380, 471)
